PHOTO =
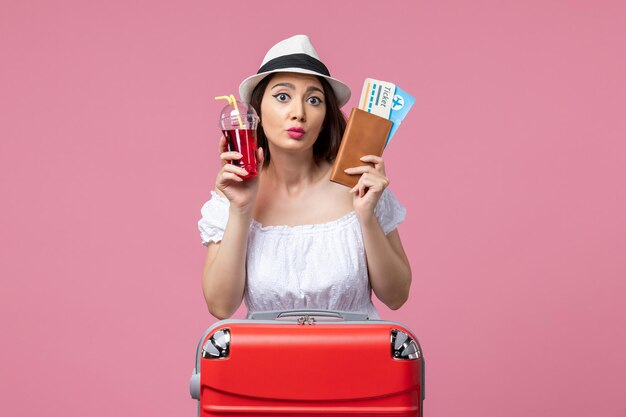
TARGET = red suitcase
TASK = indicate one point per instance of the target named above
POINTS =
(312, 362)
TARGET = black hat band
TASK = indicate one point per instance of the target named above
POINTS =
(303, 61)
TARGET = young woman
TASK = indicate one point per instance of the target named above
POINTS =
(290, 238)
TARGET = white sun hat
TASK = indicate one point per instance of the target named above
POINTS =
(295, 54)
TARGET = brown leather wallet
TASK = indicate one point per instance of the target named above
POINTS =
(365, 134)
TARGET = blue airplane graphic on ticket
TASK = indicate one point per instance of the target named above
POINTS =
(401, 104)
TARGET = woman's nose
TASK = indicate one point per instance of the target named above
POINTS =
(297, 110)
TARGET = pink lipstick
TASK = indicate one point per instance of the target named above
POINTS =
(295, 132)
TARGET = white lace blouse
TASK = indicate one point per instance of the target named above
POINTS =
(317, 266)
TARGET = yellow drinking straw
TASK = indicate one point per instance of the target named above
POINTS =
(231, 100)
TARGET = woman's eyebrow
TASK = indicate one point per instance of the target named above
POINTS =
(313, 88)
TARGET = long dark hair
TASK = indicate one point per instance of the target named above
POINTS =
(327, 143)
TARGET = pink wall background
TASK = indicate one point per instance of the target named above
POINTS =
(511, 165)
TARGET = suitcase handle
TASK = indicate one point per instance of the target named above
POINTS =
(273, 315)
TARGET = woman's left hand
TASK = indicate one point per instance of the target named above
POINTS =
(370, 187)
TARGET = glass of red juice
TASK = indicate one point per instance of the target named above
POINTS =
(238, 122)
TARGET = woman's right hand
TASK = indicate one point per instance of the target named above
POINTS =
(241, 193)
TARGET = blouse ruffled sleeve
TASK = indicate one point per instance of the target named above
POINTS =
(214, 219)
(389, 212)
